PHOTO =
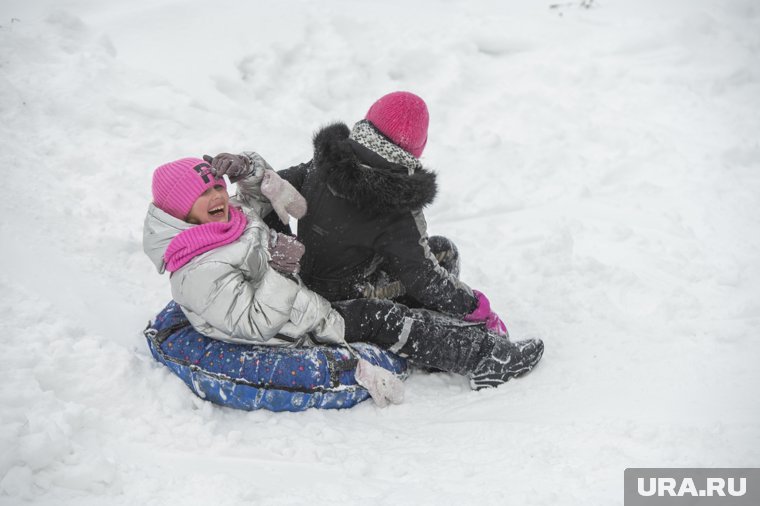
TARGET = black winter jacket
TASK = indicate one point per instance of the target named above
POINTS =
(364, 230)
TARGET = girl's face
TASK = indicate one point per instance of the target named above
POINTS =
(211, 206)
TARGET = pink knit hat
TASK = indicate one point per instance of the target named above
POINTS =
(177, 185)
(403, 118)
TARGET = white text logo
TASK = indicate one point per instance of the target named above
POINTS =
(671, 487)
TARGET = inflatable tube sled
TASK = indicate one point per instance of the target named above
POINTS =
(253, 377)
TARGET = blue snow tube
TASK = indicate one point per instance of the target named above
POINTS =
(252, 377)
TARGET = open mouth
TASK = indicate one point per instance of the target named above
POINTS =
(216, 212)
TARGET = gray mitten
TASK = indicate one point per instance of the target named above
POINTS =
(285, 199)
(236, 167)
(286, 253)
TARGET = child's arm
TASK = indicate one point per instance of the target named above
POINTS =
(249, 185)
(262, 189)
(408, 258)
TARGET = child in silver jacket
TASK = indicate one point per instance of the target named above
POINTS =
(220, 255)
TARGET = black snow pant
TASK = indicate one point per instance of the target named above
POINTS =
(426, 338)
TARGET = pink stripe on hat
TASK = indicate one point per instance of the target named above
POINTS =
(178, 184)
(403, 118)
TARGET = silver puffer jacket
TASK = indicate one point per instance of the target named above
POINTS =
(231, 293)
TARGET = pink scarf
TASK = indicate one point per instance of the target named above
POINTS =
(202, 238)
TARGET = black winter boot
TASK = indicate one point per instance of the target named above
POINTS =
(507, 360)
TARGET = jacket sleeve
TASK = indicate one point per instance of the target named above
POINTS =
(249, 191)
(253, 302)
(295, 175)
(404, 246)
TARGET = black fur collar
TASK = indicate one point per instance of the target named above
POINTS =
(366, 179)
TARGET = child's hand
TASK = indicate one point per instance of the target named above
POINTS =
(286, 253)
(235, 167)
(494, 324)
(483, 313)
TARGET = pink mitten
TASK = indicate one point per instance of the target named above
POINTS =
(285, 199)
(494, 324)
(483, 313)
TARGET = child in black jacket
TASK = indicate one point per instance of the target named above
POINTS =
(365, 232)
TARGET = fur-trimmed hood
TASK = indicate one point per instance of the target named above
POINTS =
(365, 178)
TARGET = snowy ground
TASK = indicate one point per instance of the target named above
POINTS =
(599, 168)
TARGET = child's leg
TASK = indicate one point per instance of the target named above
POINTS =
(435, 340)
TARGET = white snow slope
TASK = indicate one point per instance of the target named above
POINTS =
(598, 167)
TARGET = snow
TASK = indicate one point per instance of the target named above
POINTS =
(599, 169)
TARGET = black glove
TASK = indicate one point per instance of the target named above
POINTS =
(236, 167)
